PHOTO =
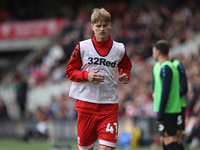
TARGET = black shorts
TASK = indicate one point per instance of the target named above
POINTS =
(170, 125)
(181, 119)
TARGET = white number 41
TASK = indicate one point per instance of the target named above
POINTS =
(110, 128)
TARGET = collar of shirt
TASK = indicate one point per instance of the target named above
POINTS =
(103, 47)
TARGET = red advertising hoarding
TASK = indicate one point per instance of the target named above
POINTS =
(30, 29)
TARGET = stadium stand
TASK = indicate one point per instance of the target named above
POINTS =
(42, 60)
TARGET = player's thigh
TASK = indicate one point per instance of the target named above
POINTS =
(108, 130)
(171, 124)
(169, 127)
(86, 129)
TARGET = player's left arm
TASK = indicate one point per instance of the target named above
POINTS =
(124, 69)
(183, 80)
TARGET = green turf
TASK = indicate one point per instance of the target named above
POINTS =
(11, 144)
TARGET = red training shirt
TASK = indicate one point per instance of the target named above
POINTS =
(74, 74)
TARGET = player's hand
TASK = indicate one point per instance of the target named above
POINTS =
(95, 77)
(153, 95)
(160, 122)
(123, 77)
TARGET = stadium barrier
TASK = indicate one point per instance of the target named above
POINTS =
(64, 130)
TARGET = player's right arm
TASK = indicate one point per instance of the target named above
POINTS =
(73, 71)
(166, 76)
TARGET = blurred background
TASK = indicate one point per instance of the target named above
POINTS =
(38, 37)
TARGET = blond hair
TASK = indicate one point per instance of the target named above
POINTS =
(100, 14)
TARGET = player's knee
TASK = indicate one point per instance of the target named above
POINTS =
(106, 148)
(169, 139)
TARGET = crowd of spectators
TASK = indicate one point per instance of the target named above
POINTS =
(138, 27)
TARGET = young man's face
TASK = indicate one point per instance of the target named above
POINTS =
(101, 30)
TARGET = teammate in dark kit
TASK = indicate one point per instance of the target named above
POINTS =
(166, 95)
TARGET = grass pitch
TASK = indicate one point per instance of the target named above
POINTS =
(12, 144)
